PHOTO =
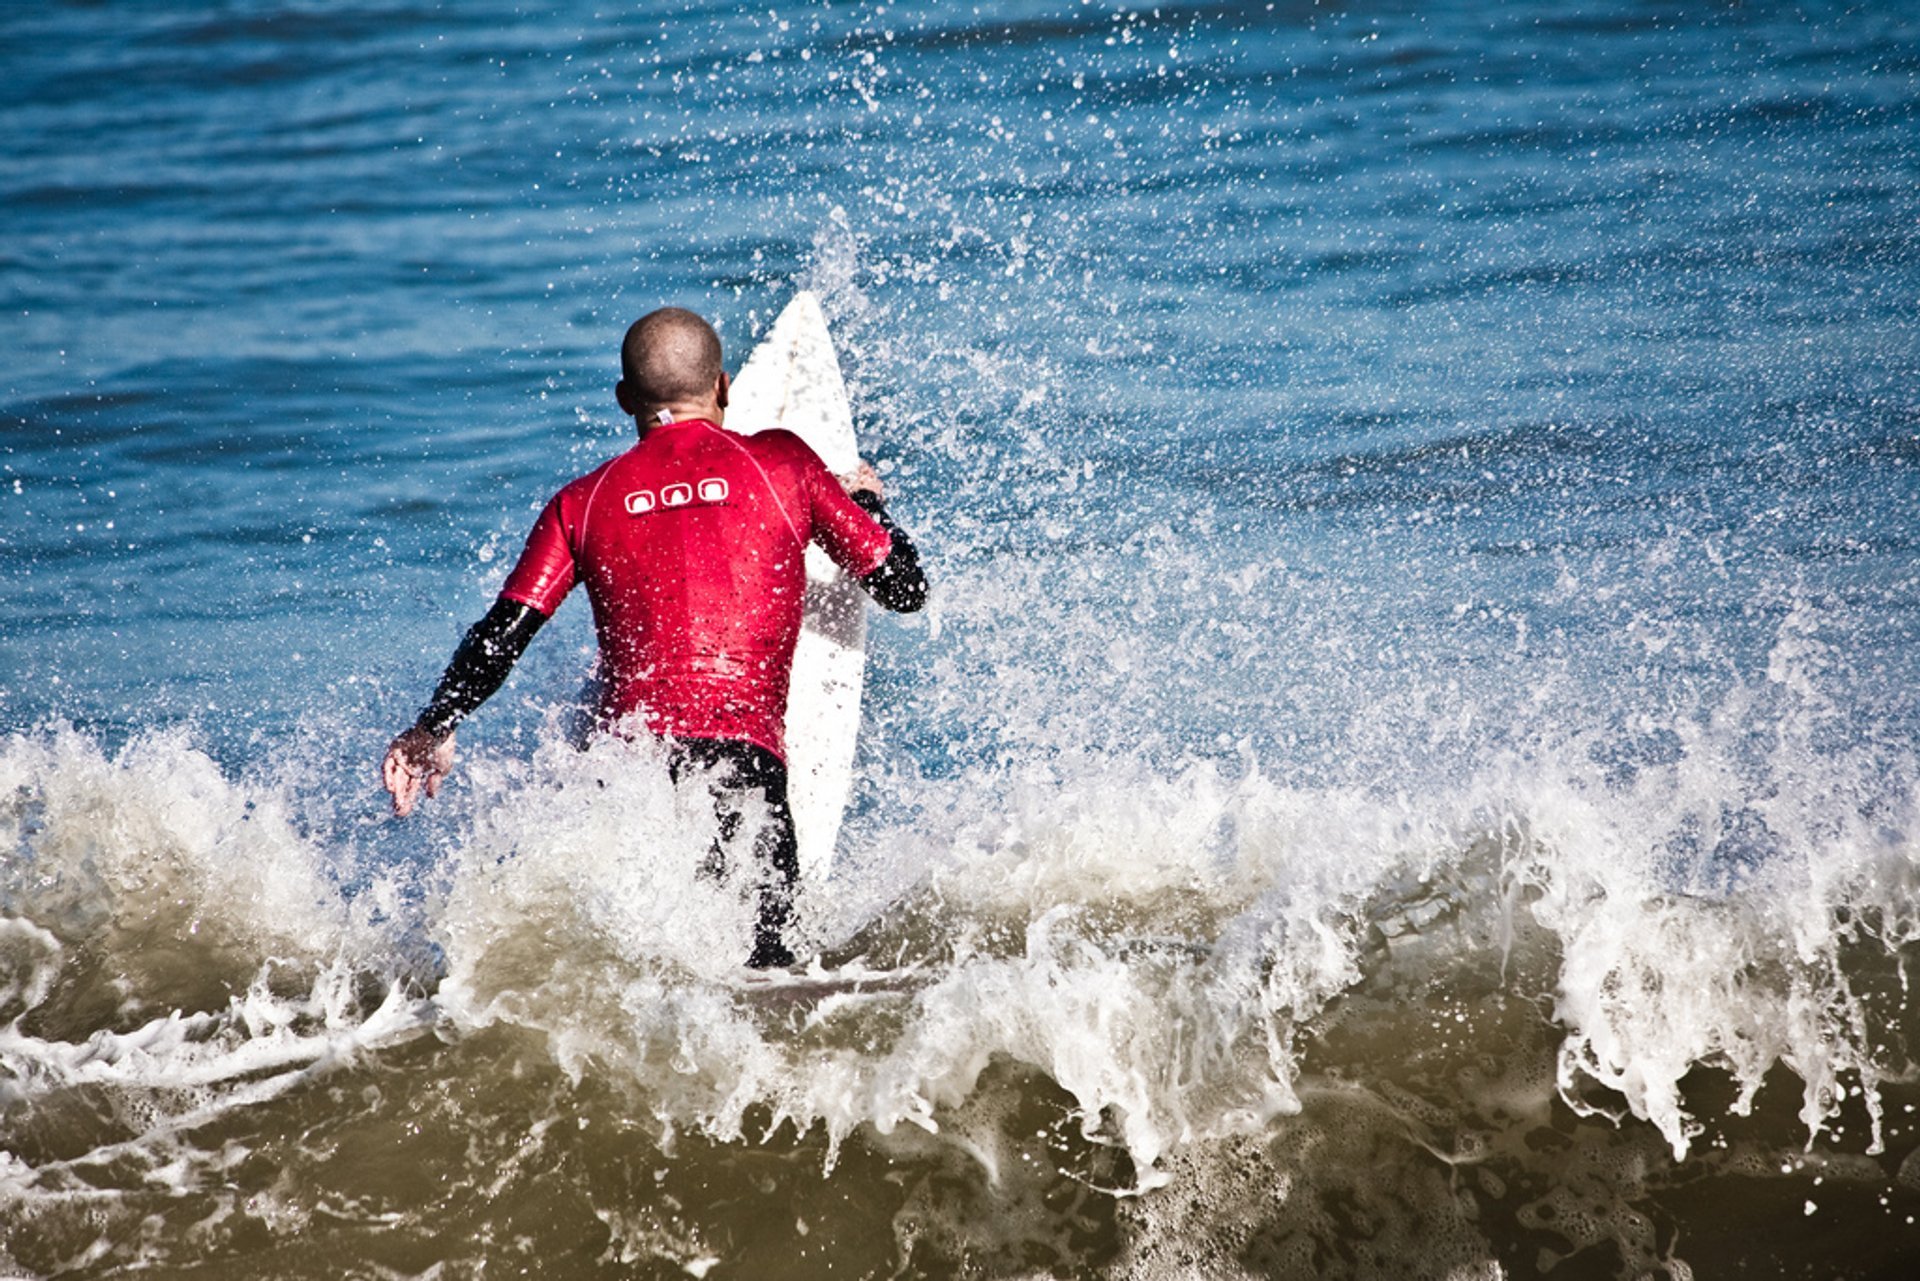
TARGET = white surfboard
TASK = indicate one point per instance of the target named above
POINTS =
(792, 380)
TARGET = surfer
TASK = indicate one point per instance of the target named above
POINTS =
(691, 548)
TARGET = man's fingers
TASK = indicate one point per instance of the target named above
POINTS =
(403, 795)
(863, 477)
(415, 760)
(397, 773)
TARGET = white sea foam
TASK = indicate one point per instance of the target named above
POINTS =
(1160, 945)
(171, 946)
(154, 856)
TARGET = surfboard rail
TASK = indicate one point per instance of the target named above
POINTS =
(791, 380)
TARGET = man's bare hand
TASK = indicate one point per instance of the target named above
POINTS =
(863, 478)
(416, 759)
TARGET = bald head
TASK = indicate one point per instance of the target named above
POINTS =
(670, 357)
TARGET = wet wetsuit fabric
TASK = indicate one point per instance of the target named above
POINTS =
(480, 666)
(898, 584)
(494, 644)
(749, 786)
(691, 546)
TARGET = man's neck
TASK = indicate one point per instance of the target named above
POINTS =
(680, 411)
(684, 411)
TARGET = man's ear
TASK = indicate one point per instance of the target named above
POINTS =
(624, 394)
(721, 388)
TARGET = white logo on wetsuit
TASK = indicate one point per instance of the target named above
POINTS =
(711, 490)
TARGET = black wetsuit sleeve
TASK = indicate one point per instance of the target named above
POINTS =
(898, 584)
(480, 666)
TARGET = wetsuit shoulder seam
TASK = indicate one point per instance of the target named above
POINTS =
(765, 479)
(599, 475)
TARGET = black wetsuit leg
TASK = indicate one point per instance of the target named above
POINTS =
(747, 775)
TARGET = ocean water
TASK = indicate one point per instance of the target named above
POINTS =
(1410, 769)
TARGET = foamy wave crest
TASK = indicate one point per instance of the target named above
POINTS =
(1206, 971)
(152, 861)
(1710, 919)
(1168, 949)
(575, 909)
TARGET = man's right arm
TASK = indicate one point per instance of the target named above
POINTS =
(421, 756)
(849, 520)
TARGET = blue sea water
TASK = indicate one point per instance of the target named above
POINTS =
(1358, 448)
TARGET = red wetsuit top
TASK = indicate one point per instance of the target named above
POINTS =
(692, 548)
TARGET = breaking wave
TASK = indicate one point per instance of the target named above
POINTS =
(1131, 1006)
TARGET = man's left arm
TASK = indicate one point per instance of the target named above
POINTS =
(897, 583)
